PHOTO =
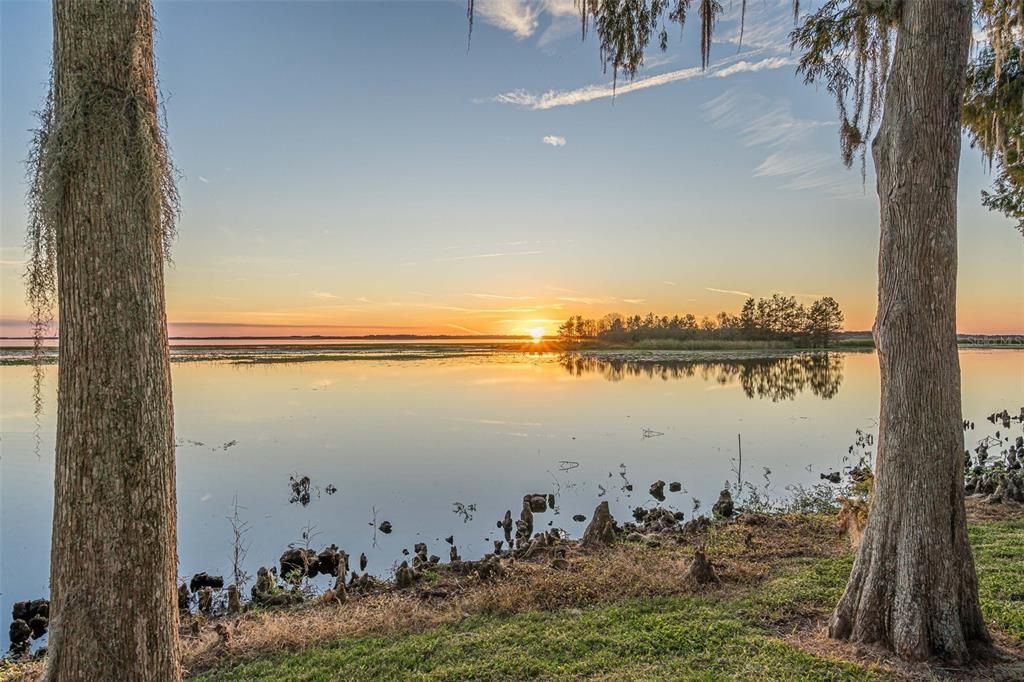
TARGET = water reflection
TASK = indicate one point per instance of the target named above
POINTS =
(408, 442)
(771, 378)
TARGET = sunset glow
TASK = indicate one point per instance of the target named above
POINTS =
(489, 213)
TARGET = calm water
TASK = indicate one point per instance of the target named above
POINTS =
(408, 438)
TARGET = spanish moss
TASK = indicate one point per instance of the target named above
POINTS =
(41, 272)
(846, 45)
(58, 145)
(993, 113)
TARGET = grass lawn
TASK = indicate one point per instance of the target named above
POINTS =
(999, 559)
(720, 634)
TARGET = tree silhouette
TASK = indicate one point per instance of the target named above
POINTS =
(824, 320)
(779, 318)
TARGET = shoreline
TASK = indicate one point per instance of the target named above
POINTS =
(270, 353)
(775, 580)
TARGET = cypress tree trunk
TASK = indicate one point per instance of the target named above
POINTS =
(913, 587)
(113, 554)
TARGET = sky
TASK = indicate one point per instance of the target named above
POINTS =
(353, 168)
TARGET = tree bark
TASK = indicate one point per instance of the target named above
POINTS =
(913, 586)
(113, 554)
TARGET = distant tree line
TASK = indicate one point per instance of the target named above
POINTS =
(779, 318)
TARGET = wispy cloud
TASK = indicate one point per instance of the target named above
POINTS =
(759, 121)
(476, 256)
(518, 17)
(589, 93)
(767, 24)
(599, 300)
(668, 283)
(464, 329)
(325, 295)
(657, 59)
(554, 140)
(492, 311)
(499, 297)
(583, 300)
(505, 254)
(522, 18)
(807, 170)
(203, 180)
(728, 291)
(743, 66)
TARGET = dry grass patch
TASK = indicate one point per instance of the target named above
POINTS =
(979, 510)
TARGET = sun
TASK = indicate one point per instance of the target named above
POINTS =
(537, 333)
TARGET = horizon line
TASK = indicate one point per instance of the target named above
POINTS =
(356, 337)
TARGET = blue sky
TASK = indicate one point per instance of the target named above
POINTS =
(351, 167)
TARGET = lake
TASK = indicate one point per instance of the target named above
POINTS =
(441, 439)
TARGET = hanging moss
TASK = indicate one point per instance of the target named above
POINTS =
(59, 148)
(844, 35)
(993, 114)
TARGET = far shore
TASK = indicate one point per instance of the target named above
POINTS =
(263, 350)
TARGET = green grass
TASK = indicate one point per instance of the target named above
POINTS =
(806, 587)
(667, 638)
(999, 559)
(696, 637)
